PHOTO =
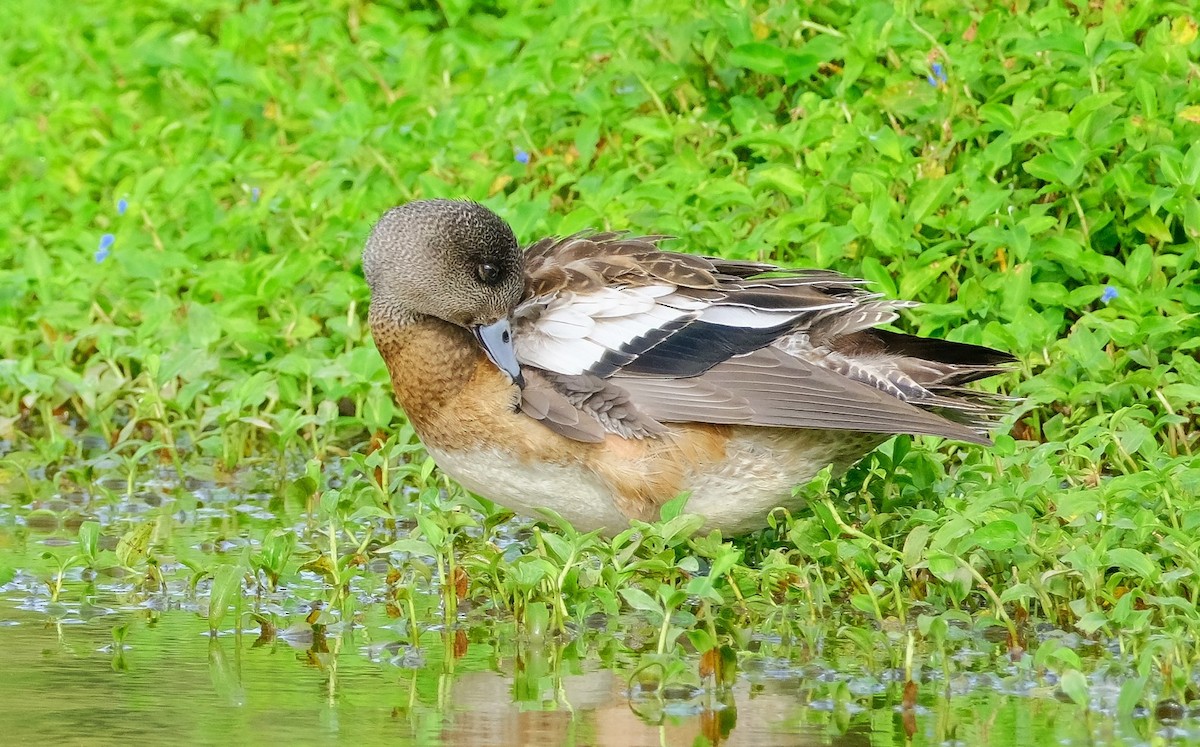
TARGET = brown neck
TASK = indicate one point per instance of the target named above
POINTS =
(430, 361)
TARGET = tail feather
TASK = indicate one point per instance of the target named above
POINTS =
(926, 372)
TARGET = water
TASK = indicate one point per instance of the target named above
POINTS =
(65, 682)
(120, 661)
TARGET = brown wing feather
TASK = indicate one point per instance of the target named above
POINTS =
(581, 262)
(542, 401)
(771, 388)
(584, 408)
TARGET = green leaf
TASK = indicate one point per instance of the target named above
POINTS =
(226, 589)
(1130, 695)
(1075, 686)
(431, 530)
(914, 544)
(673, 508)
(887, 142)
(89, 540)
(1044, 124)
(784, 179)
(587, 136)
(997, 536)
(1139, 265)
(670, 597)
(682, 527)
(943, 565)
(759, 57)
(277, 548)
(1134, 561)
(863, 603)
(1151, 225)
(1017, 592)
(1190, 167)
(640, 600)
(1091, 622)
(932, 627)
(132, 547)
(724, 562)
(369, 512)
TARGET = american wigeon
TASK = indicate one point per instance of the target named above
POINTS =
(600, 376)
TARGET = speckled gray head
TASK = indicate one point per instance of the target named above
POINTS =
(456, 261)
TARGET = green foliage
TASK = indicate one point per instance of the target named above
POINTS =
(186, 190)
(226, 591)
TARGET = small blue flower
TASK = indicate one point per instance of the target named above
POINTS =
(521, 156)
(255, 193)
(1109, 294)
(122, 206)
(938, 76)
(106, 242)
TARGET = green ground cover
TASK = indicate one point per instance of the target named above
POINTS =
(186, 188)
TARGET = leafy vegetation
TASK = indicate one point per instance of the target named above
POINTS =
(187, 187)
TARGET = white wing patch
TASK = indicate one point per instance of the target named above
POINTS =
(745, 316)
(568, 333)
(730, 313)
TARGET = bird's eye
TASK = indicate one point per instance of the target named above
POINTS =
(488, 273)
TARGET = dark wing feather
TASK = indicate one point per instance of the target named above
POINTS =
(698, 346)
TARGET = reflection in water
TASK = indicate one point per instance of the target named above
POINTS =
(65, 683)
(66, 679)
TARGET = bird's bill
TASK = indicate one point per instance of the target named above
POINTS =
(496, 340)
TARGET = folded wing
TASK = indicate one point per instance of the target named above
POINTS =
(621, 337)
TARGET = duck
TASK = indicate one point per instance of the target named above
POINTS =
(598, 376)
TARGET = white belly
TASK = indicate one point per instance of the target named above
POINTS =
(760, 471)
(573, 493)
